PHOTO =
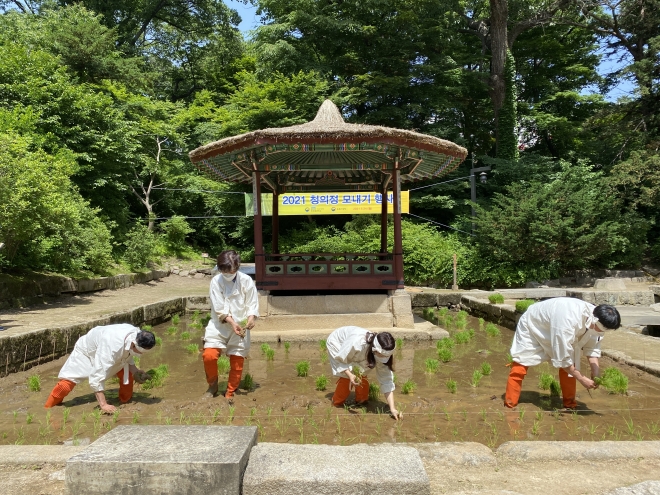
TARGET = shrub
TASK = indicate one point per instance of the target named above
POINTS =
(496, 298)
(522, 305)
(175, 231)
(140, 247)
(302, 368)
(321, 382)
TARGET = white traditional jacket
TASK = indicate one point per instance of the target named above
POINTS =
(556, 330)
(347, 347)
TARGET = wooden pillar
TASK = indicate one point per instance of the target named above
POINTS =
(260, 266)
(398, 243)
(276, 222)
(383, 217)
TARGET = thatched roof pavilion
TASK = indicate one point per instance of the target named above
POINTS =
(324, 155)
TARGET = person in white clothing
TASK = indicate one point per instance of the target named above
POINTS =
(234, 309)
(559, 330)
(353, 347)
(103, 352)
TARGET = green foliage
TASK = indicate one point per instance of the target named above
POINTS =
(477, 375)
(446, 343)
(555, 388)
(287, 346)
(224, 365)
(445, 355)
(321, 382)
(374, 391)
(431, 365)
(451, 386)
(140, 247)
(462, 337)
(522, 305)
(545, 380)
(408, 387)
(486, 369)
(175, 230)
(614, 381)
(302, 368)
(270, 355)
(492, 330)
(157, 377)
(34, 383)
(496, 298)
(247, 383)
(507, 137)
(192, 348)
(185, 336)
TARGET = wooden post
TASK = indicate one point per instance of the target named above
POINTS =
(276, 222)
(383, 218)
(258, 228)
(398, 242)
(455, 286)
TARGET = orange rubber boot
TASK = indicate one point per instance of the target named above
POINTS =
(59, 392)
(514, 384)
(362, 392)
(341, 392)
(235, 373)
(210, 357)
(568, 386)
(125, 391)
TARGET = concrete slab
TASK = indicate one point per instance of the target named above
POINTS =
(638, 315)
(645, 488)
(578, 451)
(642, 351)
(608, 284)
(280, 323)
(451, 454)
(36, 454)
(147, 460)
(328, 304)
(282, 469)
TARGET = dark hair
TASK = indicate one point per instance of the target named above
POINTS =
(229, 261)
(145, 339)
(608, 315)
(386, 341)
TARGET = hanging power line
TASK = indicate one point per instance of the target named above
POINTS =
(196, 190)
(438, 223)
(188, 218)
(443, 182)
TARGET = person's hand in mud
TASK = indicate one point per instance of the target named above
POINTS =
(396, 414)
(108, 409)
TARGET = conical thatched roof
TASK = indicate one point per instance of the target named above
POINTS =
(328, 152)
(328, 126)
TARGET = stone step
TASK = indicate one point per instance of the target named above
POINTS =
(280, 323)
(157, 459)
(282, 469)
(328, 304)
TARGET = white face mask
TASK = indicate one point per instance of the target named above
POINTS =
(383, 359)
(229, 276)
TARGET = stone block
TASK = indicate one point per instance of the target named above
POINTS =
(401, 305)
(296, 305)
(282, 469)
(643, 488)
(146, 460)
(199, 275)
(278, 323)
(184, 273)
(578, 451)
(404, 321)
(606, 298)
(36, 454)
(587, 296)
(264, 306)
(544, 293)
(198, 302)
(357, 303)
(494, 310)
(163, 308)
(446, 298)
(427, 299)
(452, 454)
(609, 284)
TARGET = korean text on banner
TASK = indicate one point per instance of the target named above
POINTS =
(352, 203)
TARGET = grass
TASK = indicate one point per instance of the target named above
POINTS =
(192, 348)
(223, 365)
(247, 383)
(477, 375)
(176, 319)
(302, 368)
(321, 382)
(185, 336)
(323, 345)
(492, 330)
(445, 355)
(462, 337)
(159, 341)
(34, 383)
(496, 298)
(270, 354)
(522, 305)
(451, 386)
(613, 381)
(172, 330)
(374, 391)
(147, 328)
(447, 343)
(431, 365)
(287, 346)
(486, 369)
(408, 387)
(158, 375)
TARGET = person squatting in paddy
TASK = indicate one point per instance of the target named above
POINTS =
(234, 309)
(353, 346)
(98, 355)
(560, 330)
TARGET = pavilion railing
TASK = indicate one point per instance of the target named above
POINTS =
(329, 264)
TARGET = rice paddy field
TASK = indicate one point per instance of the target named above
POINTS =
(449, 390)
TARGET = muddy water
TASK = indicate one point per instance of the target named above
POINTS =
(288, 408)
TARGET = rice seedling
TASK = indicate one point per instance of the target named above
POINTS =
(264, 348)
(176, 319)
(539, 415)
(302, 368)
(157, 376)
(445, 355)
(195, 315)
(545, 380)
(136, 360)
(653, 428)
(613, 381)
(449, 321)
(536, 429)
(147, 328)
(521, 415)
(555, 388)
(462, 337)
(399, 343)
(171, 330)
(192, 348)
(270, 355)
(196, 325)
(592, 428)
(65, 416)
(205, 319)
(496, 298)
(486, 369)
(34, 383)
(15, 414)
(287, 346)
(323, 345)
(29, 418)
(477, 375)
(522, 305)
(374, 391)
(481, 322)
(447, 343)
(185, 336)
(321, 382)
(115, 416)
(247, 383)
(630, 425)
(431, 365)
(232, 410)
(223, 365)
(408, 387)
(492, 330)
(159, 341)
(483, 413)
(324, 357)
(136, 418)
(552, 430)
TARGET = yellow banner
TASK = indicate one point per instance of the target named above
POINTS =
(350, 203)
